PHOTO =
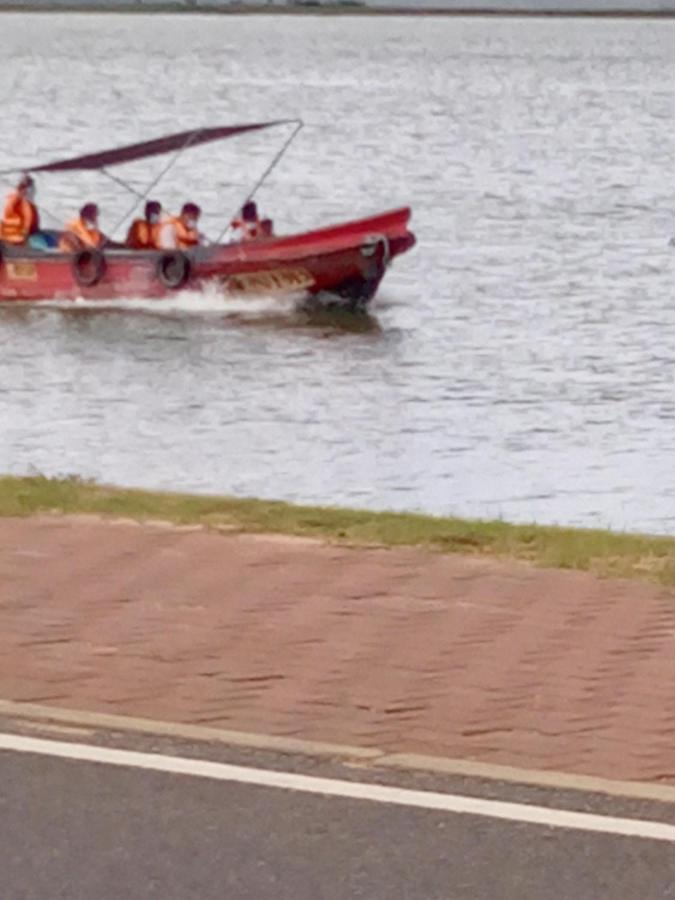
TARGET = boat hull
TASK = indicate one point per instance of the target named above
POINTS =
(344, 262)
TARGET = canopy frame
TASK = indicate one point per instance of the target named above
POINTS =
(299, 124)
(153, 184)
(177, 143)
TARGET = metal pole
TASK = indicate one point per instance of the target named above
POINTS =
(122, 183)
(167, 168)
(268, 171)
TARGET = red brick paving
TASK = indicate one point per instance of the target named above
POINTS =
(400, 649)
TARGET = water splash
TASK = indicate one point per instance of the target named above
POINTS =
(208, 301)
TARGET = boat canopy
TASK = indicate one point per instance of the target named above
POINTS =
(170, 143)
(184, 140)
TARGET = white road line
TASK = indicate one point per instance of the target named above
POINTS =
(329, 787)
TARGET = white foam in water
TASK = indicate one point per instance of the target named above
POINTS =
(210, 299)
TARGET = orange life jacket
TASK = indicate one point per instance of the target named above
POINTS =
(20, 219)
(185, 237)
(143, 235)
(77, 236)
(249, 231)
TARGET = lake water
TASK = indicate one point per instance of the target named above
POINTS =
(519, 363)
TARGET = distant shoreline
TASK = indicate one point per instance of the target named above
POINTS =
(346, 9)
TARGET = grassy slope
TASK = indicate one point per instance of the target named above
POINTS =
(602, 552)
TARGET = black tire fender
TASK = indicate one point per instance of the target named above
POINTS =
(89, 267)
(173, 269)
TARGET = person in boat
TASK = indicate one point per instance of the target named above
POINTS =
(181, 232)
(20, 220)
(245, 226)
(83, 233)
(266, 228)
(144, 234)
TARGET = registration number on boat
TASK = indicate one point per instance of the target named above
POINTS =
(269, 282)
(21, 271)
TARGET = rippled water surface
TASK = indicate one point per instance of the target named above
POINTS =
(518, 364)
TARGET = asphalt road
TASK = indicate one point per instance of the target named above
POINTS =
(79, 830)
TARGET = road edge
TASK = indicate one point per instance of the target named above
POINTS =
(36, 713)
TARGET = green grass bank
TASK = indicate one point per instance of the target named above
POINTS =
(604, 553)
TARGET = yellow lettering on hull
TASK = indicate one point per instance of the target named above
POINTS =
(21, 271)
(272, 281)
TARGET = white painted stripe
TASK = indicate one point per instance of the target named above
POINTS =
(329, 787)
(564, 781)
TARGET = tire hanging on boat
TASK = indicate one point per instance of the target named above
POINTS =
(357, 291)
(173, 269)
(377, 255)
(88, 267)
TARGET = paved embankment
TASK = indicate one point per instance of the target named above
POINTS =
(399, 649)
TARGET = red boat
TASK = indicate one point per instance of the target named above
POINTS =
(343, 263)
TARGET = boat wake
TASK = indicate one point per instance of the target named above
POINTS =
(205, 302)
(210, 303)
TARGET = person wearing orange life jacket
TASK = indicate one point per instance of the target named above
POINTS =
(246, 226)
(83, 233)
(144, 234)
(181, 232)
(20, 219)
